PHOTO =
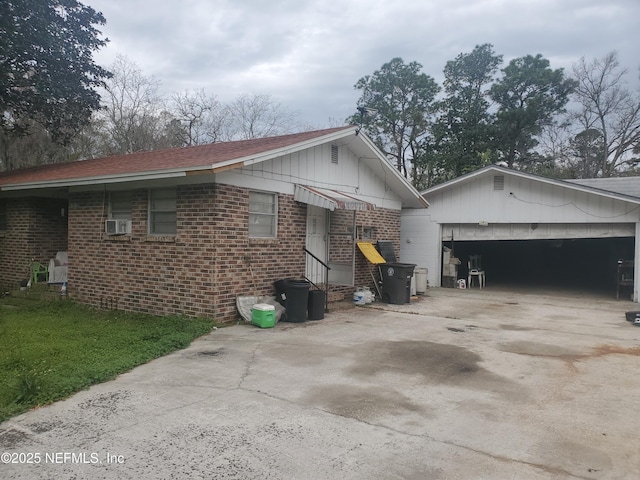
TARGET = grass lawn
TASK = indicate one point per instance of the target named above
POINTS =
(51, 349)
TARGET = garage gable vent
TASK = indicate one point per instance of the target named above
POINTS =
(334, 154)
(498, 182)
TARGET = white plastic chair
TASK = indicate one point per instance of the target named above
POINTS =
(58, 268)
(475, 270)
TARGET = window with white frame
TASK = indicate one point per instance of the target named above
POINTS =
(120, 205)
(162, 211)
(263, 214)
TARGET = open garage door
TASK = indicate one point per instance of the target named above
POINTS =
(580, 256)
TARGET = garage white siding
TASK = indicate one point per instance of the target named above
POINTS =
(525, 201)
(420, 242)
(496, 203)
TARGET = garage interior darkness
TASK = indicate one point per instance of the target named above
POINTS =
(588, 264)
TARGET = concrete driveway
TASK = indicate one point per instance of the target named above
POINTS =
(461, 384)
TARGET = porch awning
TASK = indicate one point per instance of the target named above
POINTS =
(330, 199)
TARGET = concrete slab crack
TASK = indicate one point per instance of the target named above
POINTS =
(545, 468)
(247, 368)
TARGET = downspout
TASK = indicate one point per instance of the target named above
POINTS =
(327, 244)
(214, 260)
(354, 236)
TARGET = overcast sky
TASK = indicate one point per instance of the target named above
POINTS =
(308, 54)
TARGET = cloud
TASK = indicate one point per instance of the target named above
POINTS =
(308, 54)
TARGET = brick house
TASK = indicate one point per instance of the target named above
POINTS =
(198, 226)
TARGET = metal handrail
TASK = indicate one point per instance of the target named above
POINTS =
(316, 259)
(326, 278)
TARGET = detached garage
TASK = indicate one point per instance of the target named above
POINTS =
(529, 230)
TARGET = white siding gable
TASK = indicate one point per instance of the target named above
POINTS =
(314, 167)
(524, 200)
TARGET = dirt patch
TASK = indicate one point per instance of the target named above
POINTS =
(13, 438)
(516, 328)
(561, 317)
(106, 405)
(537, 349)
(42, 427)
(437, 363)
(210, 353)
(603, 350)
(570, 357)
(362, 403)
(468, 328)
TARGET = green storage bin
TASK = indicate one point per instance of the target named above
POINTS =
(263, 315)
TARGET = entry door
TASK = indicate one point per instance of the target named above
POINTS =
(316, 243)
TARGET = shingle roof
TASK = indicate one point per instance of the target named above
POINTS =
(186, 158)
(624, 185)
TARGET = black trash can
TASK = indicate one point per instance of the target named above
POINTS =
(297, 293)
(280, 292)
(316, 304)
(396, 282)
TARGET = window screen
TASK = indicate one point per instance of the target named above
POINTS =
(263, 214)
(120, 205)
(162, 212)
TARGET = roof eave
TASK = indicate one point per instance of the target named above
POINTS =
(97, 180)
(528, 176)
(414, 198)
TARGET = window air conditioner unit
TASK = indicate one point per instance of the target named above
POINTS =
(117, 227)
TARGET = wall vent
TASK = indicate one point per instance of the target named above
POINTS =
(334, 154)
(498, 182)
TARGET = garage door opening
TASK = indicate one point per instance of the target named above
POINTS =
(588, 264)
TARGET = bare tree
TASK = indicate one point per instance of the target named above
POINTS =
(608, 118)
(134, 117)
(201, 116)
(553, 143)
(258, 115)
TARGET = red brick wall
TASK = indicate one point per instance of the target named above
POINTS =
(243, 262)
(36, 231)
(386, 226)
(198, 272)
